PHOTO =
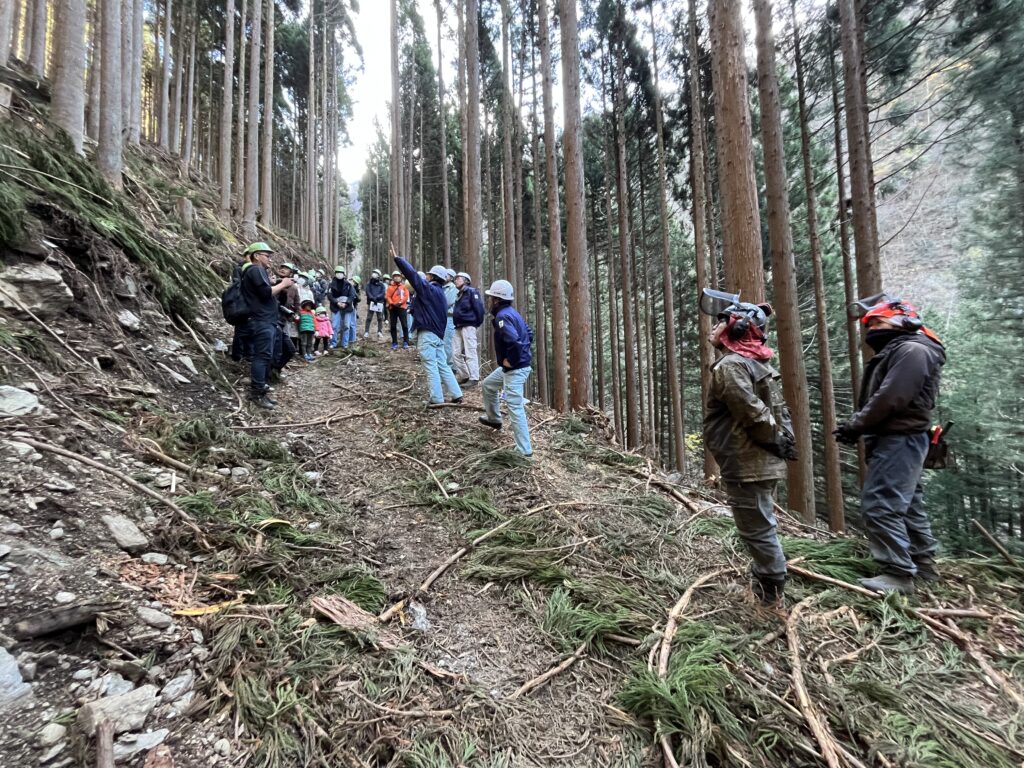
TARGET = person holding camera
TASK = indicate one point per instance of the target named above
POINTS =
(748, 430)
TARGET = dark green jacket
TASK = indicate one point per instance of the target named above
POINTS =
(745, 412)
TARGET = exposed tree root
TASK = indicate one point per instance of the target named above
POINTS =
(542, 680)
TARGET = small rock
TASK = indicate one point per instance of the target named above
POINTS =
(219, 346)
(125, 533)
(177, 687)
(115, 685)
(312, 476)
(154, 618)
(126, 288)
(22, 450)
(225, 471)
(128, 711)
(131, 744)
(63, 598)
(239, 473)
(164, 480)
(5, 551)
(155, 558)
(12, 529)
(28, 671)
(17, 402)
(222, 747)
(186, 361)
(57, 534)
(52, 752)
(314, 526)
(197, 635)
(50, 735)
(129, 320)
(84, 674)
(12, 686)
(419, 616)
(60, 484)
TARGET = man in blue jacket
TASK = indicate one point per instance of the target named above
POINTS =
(468, 315)
(512, 337)
(429, 323)
(375, 304)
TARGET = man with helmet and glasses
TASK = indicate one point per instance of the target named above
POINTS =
(898, 392)
(747, 428)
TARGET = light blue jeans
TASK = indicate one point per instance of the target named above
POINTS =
(439, 373)
(513, 383)
(449, 339)
(336, 326)
(350, 327)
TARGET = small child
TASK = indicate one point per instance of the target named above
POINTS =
(324, 330)
(307, 329)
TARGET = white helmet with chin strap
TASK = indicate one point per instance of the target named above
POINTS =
(439, 272)
(500, 289)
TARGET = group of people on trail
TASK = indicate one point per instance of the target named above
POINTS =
(747, 428)
(747, 425)
(283, 310)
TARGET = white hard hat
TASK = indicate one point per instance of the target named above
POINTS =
(451, 273)
(500, 289)
(465, 276)
(375, 273)
(439, 272)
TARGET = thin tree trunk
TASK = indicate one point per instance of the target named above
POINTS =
(190, 94)
(310, 201)
(68, 106)
(108, 153)
(800, 473)
(741, 223)
(508, 198)
(179, 77)
(443, 165)
(833, 474)
(598, 319)
(127, 26)
(37, 50)
(474, 221)
(267, 171)
(226, 108)
(668, 301)
(239, 182)
(576, 226)
(8, 28)
(396, 196)
(463, 200)
(540, 321)
(92, 114)
(252, 155)
(138, 45)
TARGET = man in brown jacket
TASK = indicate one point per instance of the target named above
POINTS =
(748, 430)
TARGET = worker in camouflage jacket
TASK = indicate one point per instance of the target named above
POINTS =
(747, 428)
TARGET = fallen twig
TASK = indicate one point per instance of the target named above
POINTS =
(32, 369)
(423, 464)
(60, 618)
(467, 406)
(817, 724)
(441, 713)
(44, 326)
(995, 543)
(183, 516)
(213, 362)
(670, 490)
(332, 417)
(105, 744)
(542, 679)
(152, 449)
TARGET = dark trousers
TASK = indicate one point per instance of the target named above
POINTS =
(241, 343)
(398, 315)
(261, 335)
(369, 320)
(892, 503)
(284, 349)
(306, 342)
(324, 341)
(754, 514)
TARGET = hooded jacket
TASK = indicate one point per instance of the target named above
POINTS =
(469, 308)
(745, 416)
(431, 312)
(900, 387)
(375, 291)
(512, 338)
(341, 288)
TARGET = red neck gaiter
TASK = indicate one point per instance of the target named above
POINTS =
(751, 346)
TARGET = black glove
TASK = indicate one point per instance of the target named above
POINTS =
(784, 448)
(846, 434)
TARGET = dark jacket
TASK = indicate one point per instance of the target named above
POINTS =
(746, 416)
(512, 337)
(341, 288)
(900, 386)
(263, 305)
(469, 308)
(375, 291)
(431, 311)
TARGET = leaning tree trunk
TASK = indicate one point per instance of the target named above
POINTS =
(671, 350)
(741, 223)
(576, 226)
(833, 474)
(800, 473)
(267, 166)
(252, 156)
(68, 105)
(226, 106)
(559, 375)
(108, 153)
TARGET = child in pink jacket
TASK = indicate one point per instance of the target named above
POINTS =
(324, 331)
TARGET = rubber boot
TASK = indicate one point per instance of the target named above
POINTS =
(889, 582)
(488, 423)
(769, 592)
(926, 570)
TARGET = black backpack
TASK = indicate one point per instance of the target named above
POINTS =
(233, 303)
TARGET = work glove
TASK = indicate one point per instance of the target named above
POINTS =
(784, 448)
(846, 434)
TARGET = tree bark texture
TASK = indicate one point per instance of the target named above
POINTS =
(108, 153)
(37, 51)
(226, 108)
(443, 164)
(138, 45)
(165, 79)
(474, 217)
(266, 204)
(252, 154)
(68, 105)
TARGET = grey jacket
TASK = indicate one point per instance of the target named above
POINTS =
(746, 418)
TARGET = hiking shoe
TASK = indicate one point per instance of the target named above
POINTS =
(888, 582)
(405, 346)
(768, 592)
(380, 336)
(394, 347)
(366, 335)
(488, 423)
(262, 401)
(926, 570)
(456, 400)
(462, 380)
(471, 383)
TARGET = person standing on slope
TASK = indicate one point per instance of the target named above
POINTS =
(747, 428)
(467, 316)
(397, 297)
(264, 308)
(512, 338)
(375, 291)
(451, 294)
(898, 392)
(430, 321)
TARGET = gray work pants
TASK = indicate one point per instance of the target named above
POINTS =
(755, 520)
(892, 502)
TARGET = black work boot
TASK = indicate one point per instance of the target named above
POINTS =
(768, 591)
(926, 570)
(488, 423)
(260, 400)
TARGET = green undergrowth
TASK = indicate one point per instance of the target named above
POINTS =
(42, 171)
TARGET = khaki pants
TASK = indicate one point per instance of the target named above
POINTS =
(464, 348)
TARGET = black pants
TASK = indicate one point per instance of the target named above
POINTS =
(260, 334)
(306, 342)
(324, 341)
(369, 320)
(398, 315)
(241, 344)
(284, 349)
